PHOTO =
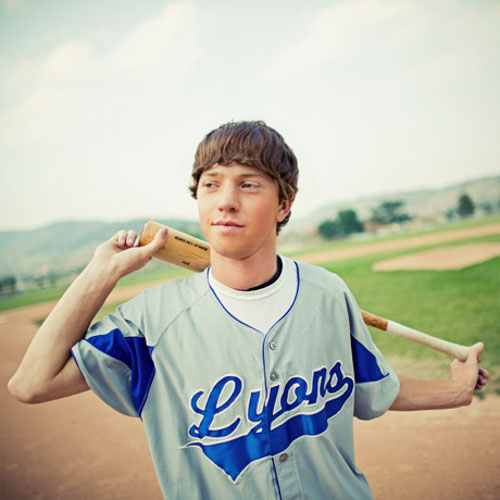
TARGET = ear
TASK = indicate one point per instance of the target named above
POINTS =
(284, 210)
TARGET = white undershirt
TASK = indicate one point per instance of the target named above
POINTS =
(261, 308)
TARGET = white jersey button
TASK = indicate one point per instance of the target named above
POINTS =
(274, 376)
(283, 457)
(273, 345)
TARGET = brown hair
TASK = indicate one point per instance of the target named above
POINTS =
(250, 143)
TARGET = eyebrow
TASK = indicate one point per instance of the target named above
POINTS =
(217, 174)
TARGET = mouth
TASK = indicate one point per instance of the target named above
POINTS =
(226, 223)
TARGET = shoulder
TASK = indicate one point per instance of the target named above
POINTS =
(156, 308)
(321, 279)
(177, 294)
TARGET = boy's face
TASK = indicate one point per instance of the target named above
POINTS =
(239, 208)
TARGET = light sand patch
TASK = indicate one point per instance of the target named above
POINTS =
(457, 257)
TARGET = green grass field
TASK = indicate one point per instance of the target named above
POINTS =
(147, 275)
(461, 306)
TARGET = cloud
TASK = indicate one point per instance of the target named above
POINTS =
(37, 91)
(166, 42)
(78, 84)
(350, 36)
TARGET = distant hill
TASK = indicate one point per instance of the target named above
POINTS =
(421, 203)
(65, 247)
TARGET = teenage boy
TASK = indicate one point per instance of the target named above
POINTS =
(247, 376)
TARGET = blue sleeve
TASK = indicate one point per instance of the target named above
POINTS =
(115, 359)
(377, 385)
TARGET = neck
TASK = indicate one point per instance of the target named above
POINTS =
(246, 272)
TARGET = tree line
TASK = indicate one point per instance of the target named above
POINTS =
(388, 212)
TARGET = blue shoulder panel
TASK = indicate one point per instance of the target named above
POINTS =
(366, 368)
(134, 352)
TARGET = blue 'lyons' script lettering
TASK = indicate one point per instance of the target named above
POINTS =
(234, 455)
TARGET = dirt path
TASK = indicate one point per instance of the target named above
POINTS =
(439, 259)
(410, 242)
(78, 448)
(75, 448)
(446, 454)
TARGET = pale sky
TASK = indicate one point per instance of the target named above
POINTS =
(102, 103)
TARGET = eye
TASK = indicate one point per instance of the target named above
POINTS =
(249, 185)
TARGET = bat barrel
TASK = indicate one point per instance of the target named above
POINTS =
(180, 249)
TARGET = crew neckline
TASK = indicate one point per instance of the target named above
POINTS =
(252, 294)
(272, 279)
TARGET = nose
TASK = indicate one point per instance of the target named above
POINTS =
(228, 199)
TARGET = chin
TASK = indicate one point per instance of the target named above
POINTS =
(229, 250)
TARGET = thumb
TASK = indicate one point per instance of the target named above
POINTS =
(157, 242)
(475, 352)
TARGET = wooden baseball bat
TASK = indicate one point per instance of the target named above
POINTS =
(192, 253)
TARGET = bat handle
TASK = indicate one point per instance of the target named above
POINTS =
(453, 350)
(456, 351)
(374, 320)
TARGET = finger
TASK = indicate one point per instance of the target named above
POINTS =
(480, 384)
(131, 237)
(482, 378)
(119, 234)
(120, 237)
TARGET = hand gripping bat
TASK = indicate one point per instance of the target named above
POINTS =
(192, 253)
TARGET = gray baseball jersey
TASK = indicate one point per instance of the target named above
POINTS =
(230, 413)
